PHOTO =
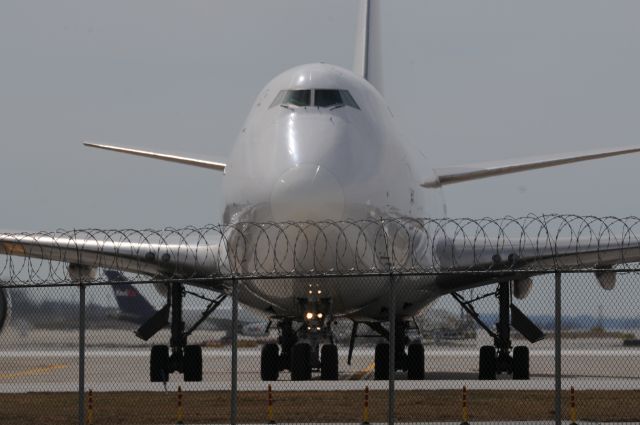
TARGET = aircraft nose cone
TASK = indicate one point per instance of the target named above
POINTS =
(307, 192)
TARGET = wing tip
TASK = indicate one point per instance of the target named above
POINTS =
(92, 144)
(433, 183)
(213, 165)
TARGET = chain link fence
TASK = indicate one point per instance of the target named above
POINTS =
(600, 359)
(490, 340)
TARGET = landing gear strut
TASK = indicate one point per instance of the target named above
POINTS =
(179, 356)
(500, 358)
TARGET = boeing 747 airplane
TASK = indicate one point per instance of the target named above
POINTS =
(320, 143)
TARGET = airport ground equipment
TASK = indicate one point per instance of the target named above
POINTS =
(502, 357)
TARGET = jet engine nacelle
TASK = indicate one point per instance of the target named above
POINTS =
(80, 273)
(522, 288)
(5, 308)
(606, 279)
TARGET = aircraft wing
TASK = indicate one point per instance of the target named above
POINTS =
(462, 173)
(212, 165)
(531, 256)
(84, 252)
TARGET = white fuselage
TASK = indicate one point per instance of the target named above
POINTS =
(311, 163)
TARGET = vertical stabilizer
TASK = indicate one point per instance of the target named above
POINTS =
(132, 304)
(368, 58)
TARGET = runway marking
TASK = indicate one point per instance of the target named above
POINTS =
(33, 371)
(362, 373)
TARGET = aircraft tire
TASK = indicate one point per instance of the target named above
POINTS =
(329, 363)
(192, 367)
(159, 363)
(520, 363)
(488, 363)
(300, 362)
(269, 362)
(415, 362)
(381, 362)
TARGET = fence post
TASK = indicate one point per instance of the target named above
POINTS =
(558, 341)
(391, 410)
(234, 351)
(81, 353)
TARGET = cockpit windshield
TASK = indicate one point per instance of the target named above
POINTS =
(321, 98)
(297, 98)
(326, 98)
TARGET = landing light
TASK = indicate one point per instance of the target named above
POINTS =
(319, 315)
(309, 315)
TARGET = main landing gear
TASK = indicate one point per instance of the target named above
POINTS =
(410, 361)
(499, 357)
(310, 348)
(179, 356)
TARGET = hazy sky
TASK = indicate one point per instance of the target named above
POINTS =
(467, 81)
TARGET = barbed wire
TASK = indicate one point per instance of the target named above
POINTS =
(529, 244)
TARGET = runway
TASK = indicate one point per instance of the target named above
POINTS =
(44, 363)
(112, 369)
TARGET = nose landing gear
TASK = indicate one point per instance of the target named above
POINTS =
(308, 349)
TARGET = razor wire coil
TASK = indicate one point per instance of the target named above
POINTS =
(530, 244)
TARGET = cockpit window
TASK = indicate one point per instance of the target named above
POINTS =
(321, 98)
(297, 98)
(348, 99)
(278, 99)
(326, 98)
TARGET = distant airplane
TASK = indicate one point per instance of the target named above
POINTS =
(135, 308)
(320, 143)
